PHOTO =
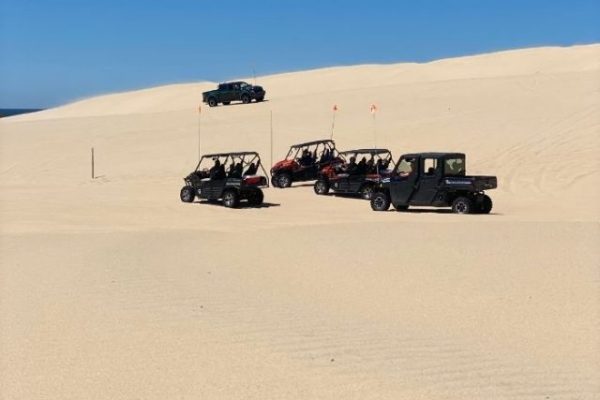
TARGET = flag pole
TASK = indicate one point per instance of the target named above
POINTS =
(335, 108)
(271, 138)
(373, 113)
(199, 130)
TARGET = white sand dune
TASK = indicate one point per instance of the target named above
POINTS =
(113, 288)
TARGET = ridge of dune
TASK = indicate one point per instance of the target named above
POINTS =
(182, 96)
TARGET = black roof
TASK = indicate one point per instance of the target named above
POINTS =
(368, 151)
(313, 142)
(434, 154)
(233, 154)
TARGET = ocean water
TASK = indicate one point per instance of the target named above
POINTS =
(8, 112)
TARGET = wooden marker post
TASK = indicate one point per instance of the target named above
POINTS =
(93, 175)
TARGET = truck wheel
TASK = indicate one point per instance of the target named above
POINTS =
(212, 102)
(231, 199)
(380, 201)
(256, 198)
(321, 187)
(486, 205)
(187, 194)
(462, 205)
(226, 103)
(259, 99)
(401, 208)
(284, 180)
(245, 99)
(366, 192)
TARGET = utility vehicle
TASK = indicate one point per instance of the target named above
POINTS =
(229, 177)
(357, 173)
(436, 180)
(303, 162)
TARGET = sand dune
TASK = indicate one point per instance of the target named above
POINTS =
(112, 288)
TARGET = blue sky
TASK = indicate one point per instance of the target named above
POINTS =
(56, 51)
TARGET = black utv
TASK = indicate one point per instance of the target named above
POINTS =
(230, 177)
(303, 162)
(357, 173)
(436, 180)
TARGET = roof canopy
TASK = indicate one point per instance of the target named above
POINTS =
(313, 142)
(366, 151)
(232, 154)
(435, 155)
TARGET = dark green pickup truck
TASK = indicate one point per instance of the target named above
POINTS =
(233, 91)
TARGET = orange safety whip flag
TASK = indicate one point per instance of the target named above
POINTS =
(373, 109)
(335, 107)
(199, 109)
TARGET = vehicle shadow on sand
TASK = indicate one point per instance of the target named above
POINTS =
(242, 205)
(409, 211)
(242, 104)
(295, 186)
(424, 211)
(436, 211)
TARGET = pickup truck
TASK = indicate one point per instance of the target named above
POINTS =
(233, 91)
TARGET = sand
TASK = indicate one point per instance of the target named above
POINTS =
(113, 288)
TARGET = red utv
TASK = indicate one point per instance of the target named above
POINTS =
(303, 162)
(357, 173)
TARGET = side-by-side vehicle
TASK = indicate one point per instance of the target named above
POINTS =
(357, 172)
(230, 177)
(303, 162)
(436, 180)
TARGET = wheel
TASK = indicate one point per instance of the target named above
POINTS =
(284, 180)
(401, 208)
(321, 187)
(187, 194)
(259, 99)
(462, 205)
(256, 198)
(226, 103)
(245, 99)
(380, 201)
(212, 102)
(231, 199)
(275, 180)
(366, 192)
(486, 205)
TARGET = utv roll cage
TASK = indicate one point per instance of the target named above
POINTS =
(293, 153)
(246, 158)
(382, 154)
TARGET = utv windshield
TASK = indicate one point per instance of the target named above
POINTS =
(454, 167)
